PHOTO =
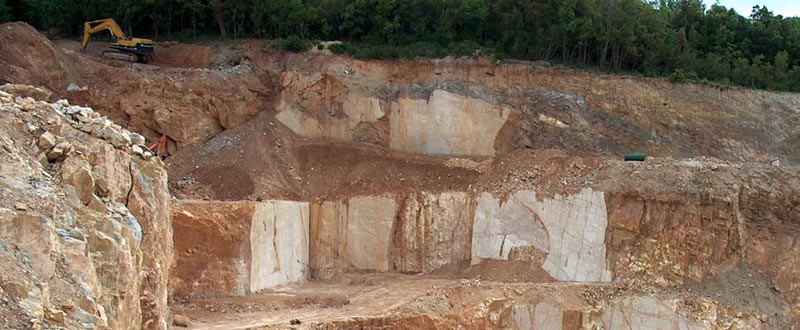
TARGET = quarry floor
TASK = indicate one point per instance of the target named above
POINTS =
(359, 296)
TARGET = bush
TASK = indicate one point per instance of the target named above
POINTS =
(464, 48)
(320, 47)
(342, 49)
(679, 75)
(295, 44)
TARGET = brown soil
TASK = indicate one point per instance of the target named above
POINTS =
(274, 164)
(497, 271)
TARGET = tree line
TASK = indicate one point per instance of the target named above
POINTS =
(681, 39)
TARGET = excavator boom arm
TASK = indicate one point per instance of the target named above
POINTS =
(109, 24)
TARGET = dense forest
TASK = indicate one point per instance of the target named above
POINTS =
(681, 39)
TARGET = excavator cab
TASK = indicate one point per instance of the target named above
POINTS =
(131, 49)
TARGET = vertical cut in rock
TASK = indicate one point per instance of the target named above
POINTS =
(278, 244)
(571, 229)
(448, 124)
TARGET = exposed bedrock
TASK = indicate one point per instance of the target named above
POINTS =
(585, 236)
(568, 230)
(85, 225)
(235, 248)
(475, 108)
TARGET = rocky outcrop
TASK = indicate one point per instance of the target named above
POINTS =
(235, 248)
(83, 255)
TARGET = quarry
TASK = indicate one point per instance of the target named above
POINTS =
(315, 191)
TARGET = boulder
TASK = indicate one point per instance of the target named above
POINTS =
(76, 172)
(47, 141)
(73, 87)
(137, 139)
(181, 320)
(114, 137)
(59, 150)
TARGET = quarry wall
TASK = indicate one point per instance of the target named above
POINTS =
(584, 236)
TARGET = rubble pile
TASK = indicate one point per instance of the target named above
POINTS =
(82, 118)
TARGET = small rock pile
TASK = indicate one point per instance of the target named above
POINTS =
(88, 121)
(84, 119)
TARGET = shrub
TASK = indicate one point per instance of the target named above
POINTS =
(342, 48)
(295, 44)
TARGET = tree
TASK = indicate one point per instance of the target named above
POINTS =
(654, 37)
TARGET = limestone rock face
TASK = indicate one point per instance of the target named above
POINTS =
(354, 233)
(369, 232)
(433, 230)
(545, 316)
(571, 229)
(446, 124)
(111, 168)
(499, 228)
(235, 248)
(149, 201)
(317, 106)
(331, 106)
(278, 244)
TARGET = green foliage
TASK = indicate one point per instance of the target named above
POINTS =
(679, 39)
(342, 49)
(295, 44)
(680, 76)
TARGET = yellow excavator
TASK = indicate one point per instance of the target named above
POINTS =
(124, 48)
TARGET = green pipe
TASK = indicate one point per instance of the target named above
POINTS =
(635, 157)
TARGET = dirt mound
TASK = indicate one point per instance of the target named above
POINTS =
(27, 57)
(182, 55)
(497, 271)
(264, 160)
